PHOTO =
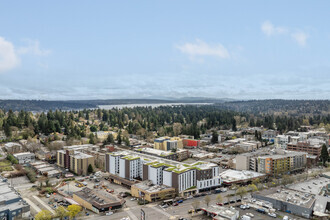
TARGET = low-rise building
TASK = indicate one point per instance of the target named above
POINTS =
(97, 201)
(288, 200)
(46, 169)
(190, 143)
(221, 212)
(12, 206)
(178, 154)
(12, 147)
(25, 158)
(238, 177)
(150, 192)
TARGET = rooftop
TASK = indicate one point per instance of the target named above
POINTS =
(295, 197)
(222, 211)
(151, 188)
(98, 198)
(236, 175)
(22, 154)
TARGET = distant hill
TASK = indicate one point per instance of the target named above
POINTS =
(280, 106)
(271, 106)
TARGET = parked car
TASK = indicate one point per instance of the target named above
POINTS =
(109, 213)
(175, 204)
(272, 215)
(220, 204)
(180, 201)
(249, 214)
(261, 211)
(245, 217)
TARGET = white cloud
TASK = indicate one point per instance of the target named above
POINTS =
(8, 57)
(200, 48)
(269, 29)
(33, 47)
(300, 37)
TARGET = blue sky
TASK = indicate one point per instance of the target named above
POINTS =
(139, 49)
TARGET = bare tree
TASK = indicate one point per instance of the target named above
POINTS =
(195, 204)
(207, 200)
(219, 198)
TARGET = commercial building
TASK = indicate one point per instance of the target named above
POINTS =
(168, 143)
(75, 161)
(25, 158)
(151, 192)
(12, 206)
(306, 146)
(288, 200)
(131, 165)
(190, 143)
(97, 201)
(221, 212)
(178, 155)
(239, 177)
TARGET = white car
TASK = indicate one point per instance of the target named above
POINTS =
(272, 215)
(109, 213)
(126, 218)
(132, 199)
(250, 214)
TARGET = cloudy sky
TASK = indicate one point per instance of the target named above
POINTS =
(137, 49)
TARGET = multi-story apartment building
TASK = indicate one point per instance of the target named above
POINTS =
(199, 176)
(272, 164)
(168, 143)
(75, 161)
(313, 148)
(282, 163)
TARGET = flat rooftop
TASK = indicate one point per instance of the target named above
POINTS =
(22, 154)
(98, 198)
(222, 211)
(151, 188)
(239, 175)
(294, 197)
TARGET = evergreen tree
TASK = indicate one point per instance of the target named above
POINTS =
(234, 128)
(324, 154)
(214, 137)
(92, 138)
(90, 168)
(119, 137)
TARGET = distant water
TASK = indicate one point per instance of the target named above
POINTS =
(148, 105)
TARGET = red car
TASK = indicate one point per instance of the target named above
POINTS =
(220, 204)
(175, 204)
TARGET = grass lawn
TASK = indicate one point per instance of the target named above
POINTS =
(5, 165)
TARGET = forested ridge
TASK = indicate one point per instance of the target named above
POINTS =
(148, 122)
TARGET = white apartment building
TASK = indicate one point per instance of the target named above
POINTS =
(199, 176)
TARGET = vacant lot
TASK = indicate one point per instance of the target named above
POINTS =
(5, 165)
